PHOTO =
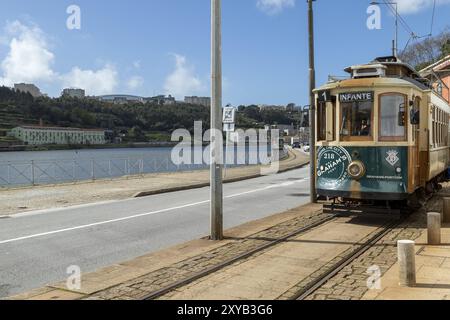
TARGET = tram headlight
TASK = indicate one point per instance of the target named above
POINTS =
(356, 170)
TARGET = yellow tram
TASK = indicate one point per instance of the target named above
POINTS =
(382, 134)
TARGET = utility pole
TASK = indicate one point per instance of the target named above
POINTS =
(312, 102)
(216, 122)
(396, 30)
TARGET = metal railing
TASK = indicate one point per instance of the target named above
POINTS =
(45, 172)
(56, 171)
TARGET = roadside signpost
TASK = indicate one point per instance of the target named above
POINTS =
(229, 119)
(229, 126)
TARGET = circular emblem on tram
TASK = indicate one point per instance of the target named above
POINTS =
(332, 168)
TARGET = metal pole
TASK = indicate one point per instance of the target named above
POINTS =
(32, 173)
(226, 154)
(395, 42)
(216, 122)
(396, 30)
(312, 108)
(92, 169)
(9, 173)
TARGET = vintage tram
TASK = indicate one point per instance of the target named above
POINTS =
(382, 134)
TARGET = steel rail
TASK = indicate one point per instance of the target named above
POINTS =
(158, 293)
(339, 266)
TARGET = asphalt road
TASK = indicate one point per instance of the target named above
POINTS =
(37, 248)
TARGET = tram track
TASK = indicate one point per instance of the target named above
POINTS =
(312, 286)
(316, 284)
(204, 273)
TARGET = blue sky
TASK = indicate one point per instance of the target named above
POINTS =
(148, 47)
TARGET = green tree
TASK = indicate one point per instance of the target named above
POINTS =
(424, 53)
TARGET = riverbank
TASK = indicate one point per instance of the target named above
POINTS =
(56, 196)
(90, 147)
(59, 147)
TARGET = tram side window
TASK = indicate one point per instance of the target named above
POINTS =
(441, 128)
(434, 127)
(392, 117)
(445, 129)
(438, 128)
(356, 121)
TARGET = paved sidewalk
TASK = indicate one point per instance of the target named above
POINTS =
(66, 195)
(433, 274)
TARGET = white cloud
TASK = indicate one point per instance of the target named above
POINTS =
(414, 6)
(137, 64)
(135, 82)
(29, 58)
(272, 7)
(98, 82)
(183, 81)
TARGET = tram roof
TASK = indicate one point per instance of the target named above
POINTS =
(388, 61)
(398, 73)
(372, 82)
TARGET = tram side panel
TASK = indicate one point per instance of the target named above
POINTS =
(438, 124)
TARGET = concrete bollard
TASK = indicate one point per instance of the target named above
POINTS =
(434, 228)
(446, 215)
(407, 263)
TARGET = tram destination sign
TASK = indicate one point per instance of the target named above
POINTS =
(357, 97)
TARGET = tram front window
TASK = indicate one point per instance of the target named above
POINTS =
(356, 119)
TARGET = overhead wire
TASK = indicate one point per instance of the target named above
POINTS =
(413, 36)
(432, 18)
(403, 22)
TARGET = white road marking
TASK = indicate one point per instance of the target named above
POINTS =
(38, 235)
(74, 207)
(101, 223)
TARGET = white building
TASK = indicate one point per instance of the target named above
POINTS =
(28, 88)
(287, 130)
(202, 101)
(34, 135)
(161, 100)
(263, 107)
(74, 93)
(121, 99)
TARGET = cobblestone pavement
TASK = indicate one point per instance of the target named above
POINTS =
(351, 282)
(141, 287)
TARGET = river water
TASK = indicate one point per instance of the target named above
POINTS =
(49, 167)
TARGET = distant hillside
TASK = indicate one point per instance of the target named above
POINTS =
(141, 121)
